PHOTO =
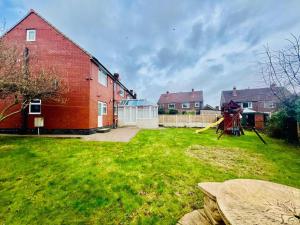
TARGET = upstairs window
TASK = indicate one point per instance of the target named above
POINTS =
(122, 93)
(186, 105)
(171, 106)
(247, 105)
(35, 107)
(30, 35)
(102, 78)
(269, 105)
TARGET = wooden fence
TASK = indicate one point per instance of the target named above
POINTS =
(186, 120)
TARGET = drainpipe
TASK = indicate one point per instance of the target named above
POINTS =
(116, 77)
(114, 121)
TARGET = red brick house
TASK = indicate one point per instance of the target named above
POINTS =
(258, 103)
(181, 101)
(258, 99)
(93, 93)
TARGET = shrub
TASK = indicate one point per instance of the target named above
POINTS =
(276, 124)
(173, 111)
(283, 124)
(161, 111)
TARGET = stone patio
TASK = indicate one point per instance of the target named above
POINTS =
(124, 134)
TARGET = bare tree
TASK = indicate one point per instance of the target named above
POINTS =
(281, 70)
(21, 83)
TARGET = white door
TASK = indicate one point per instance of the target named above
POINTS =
(100, 114)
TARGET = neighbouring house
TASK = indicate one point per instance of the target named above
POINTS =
(183, 102)
(93, 91)
(258, 103)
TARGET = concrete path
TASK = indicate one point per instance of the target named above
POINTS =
(124, 134)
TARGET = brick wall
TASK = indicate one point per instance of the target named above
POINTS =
(53, 49)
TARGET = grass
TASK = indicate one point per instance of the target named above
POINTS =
(150, 180)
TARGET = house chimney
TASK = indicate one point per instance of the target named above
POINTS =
(116, 76)
(234, 93)
(192, 89)
(134, 96)
(167, 92)
(131, 91)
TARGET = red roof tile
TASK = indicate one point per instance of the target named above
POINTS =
(181, 97)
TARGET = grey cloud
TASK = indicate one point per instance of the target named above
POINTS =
(218, 68)
(174, 60)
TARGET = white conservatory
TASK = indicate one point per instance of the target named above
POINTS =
(137, 112)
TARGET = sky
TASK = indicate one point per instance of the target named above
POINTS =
(172, 45)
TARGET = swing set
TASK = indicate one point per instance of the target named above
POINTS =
(230, 123)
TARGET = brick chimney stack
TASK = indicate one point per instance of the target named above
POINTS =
(234, 92)
(117, 76)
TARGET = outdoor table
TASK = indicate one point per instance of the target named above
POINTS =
(245, 201)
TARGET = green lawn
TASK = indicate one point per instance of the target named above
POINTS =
(151, 180)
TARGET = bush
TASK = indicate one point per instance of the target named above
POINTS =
(276, 124)
(161, 111)
(283, 124)
(173, 111)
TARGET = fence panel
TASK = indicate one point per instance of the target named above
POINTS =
(186, 120)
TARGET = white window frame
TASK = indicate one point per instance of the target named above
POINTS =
(186, 105)
(197, 104)
(122, 92)
(104, 106)
(269, 105)
(28, 35)
(39, 103)
(102, 78)
(250, 105)
(173, 104)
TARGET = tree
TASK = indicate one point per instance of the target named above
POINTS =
(281, 70)
(21, 82)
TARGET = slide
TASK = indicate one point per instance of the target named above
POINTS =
(210, 125)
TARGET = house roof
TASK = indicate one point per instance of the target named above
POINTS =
(254, 95)
(181, 97)
(208, 107)
(92, 58)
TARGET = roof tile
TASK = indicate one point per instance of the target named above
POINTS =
(181, 97)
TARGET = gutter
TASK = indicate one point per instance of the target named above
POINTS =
(96, 61)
